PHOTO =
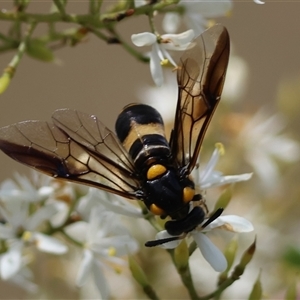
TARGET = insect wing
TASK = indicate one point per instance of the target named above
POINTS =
(200, 77)
(70, 154)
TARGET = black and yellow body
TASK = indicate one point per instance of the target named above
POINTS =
(165, 189)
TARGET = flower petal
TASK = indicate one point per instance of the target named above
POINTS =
(210, 252)
(10, 262)
(143, 39)
(100, 280)
(122, 245)
(210, 165)
(23, 279)
(77, 231)
(49, 244)
(217, 179)
(232, 223)
(118, 205)
(178, 41)
(85, 267)
(41, 215)
(155, 67)
(6, 232)
(164, 235)
(171, 22)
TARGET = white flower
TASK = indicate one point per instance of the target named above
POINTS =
(262, 141)
(111, 202)
(20, 227)
(209, 251)
(208, 177)
(104, 240)
(24, 190)
(159, 53)
(196, 14)
(14, 269)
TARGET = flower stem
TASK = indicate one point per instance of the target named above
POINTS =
(150, 293)
(186, 277)
(10, 70)
(130, 49)
(60, 7)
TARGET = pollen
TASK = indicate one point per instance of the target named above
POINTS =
(164, 62)
(118, 269)
(155, 171)
(27, 235)
(112, 251)
(220, 148)
(188, 194)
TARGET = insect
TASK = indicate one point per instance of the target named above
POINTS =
(137, 162)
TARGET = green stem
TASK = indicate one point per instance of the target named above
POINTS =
(22, 47)
(51, 18)
(186, 278)
(129, 48)
(99, 34)
(60, 7)
(150, 293)
(99, 5)
(85, 20)
(6, 39)
(216, 294)
(193, 246)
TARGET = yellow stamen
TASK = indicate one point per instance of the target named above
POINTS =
(164, 62)
(220, 148)
(27, 235)
(112, 251)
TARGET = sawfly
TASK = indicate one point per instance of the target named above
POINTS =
(137, 162)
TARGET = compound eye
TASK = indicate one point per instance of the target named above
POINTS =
(156, 210)
(188, 194)
(155, 171)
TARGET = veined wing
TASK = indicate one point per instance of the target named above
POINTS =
(200, 77)
(93, 158)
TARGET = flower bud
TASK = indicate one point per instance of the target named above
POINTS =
(224, 198)
(4, 82)
(230, 253)
(246, 258)
(181, 255)
(256, 293)
(137, 272)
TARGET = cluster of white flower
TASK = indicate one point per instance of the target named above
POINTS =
(26, 206)
(195, 14)
(30, 213)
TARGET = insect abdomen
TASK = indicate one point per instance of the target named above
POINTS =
(140, 128)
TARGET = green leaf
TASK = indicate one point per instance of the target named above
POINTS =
(39, 50)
